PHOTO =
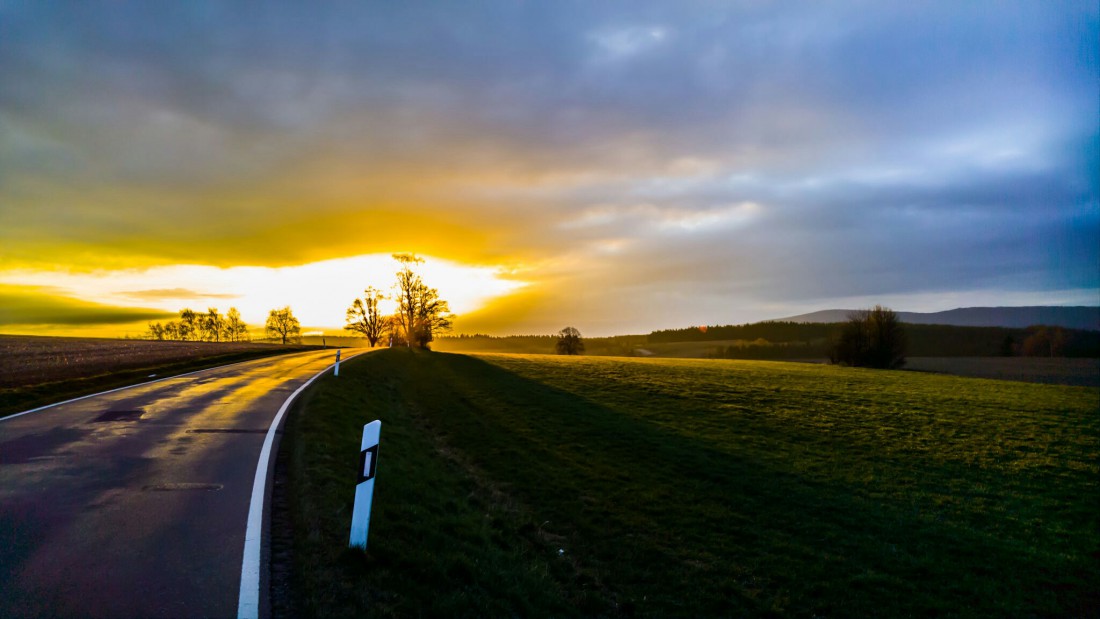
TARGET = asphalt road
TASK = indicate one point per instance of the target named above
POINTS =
(134, 503)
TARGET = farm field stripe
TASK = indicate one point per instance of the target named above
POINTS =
(248, 601)
(148, 382)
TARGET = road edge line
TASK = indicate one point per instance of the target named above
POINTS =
(148, 382)
(248, 599)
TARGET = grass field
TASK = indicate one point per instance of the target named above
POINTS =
(41, 370)
(552, 486)
(1084, 372)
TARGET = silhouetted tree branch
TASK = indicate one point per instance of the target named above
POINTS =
(420, 312)
(363, 316)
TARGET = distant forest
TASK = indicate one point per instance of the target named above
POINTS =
(793, 340)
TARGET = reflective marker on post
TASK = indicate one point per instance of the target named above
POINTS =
(364, 489)
(336, 372)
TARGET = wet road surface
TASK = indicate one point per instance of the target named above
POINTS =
(134, 503)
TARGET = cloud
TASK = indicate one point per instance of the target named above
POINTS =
(621, 43)
(28, 305)
(610, 147)
(160, 294)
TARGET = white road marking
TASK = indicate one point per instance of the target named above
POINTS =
(248, 605)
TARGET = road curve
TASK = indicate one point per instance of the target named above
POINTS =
(134, 503)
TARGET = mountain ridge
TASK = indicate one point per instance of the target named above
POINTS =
(1070, 317)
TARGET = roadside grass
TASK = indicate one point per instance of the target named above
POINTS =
(21, 397)
(442, 542)
(552, 486)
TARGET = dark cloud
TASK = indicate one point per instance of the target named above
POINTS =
(23, 306)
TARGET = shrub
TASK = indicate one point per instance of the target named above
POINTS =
(872, 338)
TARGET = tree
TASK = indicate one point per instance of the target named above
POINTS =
(432, 316)
(235, 328)
(211, 324)
(570, 342)
(420, 312)
(363, 316)
(156, 331)
(871, 338)
(1044, 341)
(188, 325)
(281, 323)
(408, 283)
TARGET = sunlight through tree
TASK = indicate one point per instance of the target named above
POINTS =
(420, 312)
(281, 323)
(364, 317)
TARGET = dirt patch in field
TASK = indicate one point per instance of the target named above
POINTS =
(31, 360)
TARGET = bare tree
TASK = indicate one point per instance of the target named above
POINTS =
(570, 342)
(432, 316)
(235, 328)
(188, 325)
(420, 312)
(212, 325)
(408, 282)
(363, 316)
(281, 323)
(156, 331)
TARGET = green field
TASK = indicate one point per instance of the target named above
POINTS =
(555, 486)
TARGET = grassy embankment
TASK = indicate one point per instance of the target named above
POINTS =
(550, 486)
(35, 371)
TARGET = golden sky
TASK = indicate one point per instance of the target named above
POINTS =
(618, 167)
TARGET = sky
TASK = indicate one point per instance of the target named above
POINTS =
(619, 167)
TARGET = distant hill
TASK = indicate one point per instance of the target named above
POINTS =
(1077, 317)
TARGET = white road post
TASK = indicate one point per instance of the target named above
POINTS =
(364, 488)
(336, 372)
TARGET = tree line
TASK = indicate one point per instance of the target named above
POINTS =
(211, 326)
(785, 340)
(773, 331)
(194, 326)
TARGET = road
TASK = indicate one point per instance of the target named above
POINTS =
(135, 503)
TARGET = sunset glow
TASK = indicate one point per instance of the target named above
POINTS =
(319, 292)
